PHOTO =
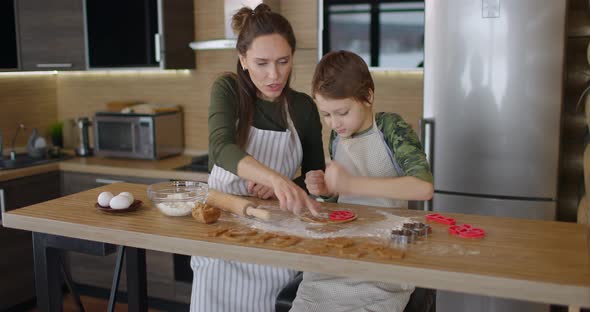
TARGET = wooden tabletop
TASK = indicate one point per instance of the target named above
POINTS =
(521, 259)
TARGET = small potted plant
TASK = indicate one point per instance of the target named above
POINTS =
(56, 134)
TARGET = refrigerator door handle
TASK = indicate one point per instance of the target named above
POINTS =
(427, 138)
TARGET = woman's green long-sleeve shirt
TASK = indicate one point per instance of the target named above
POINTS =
(223, 116)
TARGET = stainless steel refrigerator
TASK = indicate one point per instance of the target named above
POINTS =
(493, 79)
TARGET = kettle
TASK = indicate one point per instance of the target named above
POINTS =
(36, 145)
(83, 149)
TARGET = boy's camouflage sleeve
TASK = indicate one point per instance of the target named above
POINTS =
(405, 145)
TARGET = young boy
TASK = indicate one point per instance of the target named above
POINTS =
(377, 160)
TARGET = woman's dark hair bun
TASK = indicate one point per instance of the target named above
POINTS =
(241, 17)
(262, 8)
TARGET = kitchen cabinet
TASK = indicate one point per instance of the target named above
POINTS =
(30, 190)
(16, 260)
(74, 182)
(9, 51)
(99, 34)
(51, 34)
(140, 33)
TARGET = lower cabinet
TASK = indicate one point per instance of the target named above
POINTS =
(98, 271)
(17, 282)
(74, 182)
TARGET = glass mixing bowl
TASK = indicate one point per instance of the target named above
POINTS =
(177, 198)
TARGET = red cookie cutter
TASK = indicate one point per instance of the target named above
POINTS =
(466, 231)
(341, 215)
(435, 217)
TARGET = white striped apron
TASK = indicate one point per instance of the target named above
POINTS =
(226, 286)
(366, 155)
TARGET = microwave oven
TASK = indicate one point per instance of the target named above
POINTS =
(142, 136)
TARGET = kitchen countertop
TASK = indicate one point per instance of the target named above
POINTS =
(542, 261)
(6, 175)
(163, 168)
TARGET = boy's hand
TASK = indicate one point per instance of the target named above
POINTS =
(337, 178)
(260, 191)
(314, 181)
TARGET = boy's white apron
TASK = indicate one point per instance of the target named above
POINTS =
(226, 286)
(366, 155)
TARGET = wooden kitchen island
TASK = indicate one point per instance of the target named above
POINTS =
(530, 260)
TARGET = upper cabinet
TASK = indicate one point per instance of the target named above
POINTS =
(9, 51)
(104, 34)
(140, 33)
(177, 29)
(51, 34)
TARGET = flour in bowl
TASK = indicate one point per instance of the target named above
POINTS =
(176, 209)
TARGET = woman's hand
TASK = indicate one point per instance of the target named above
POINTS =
(337, 179)
(315, 183)
(260, 191)
(291, 197)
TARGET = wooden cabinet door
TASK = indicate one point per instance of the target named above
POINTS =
(30, 190)
(177, 31)
(74, 182)
(16, 268)
(16, 249)
(52, 35)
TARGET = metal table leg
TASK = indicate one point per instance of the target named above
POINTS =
(136, 279)
(116, 277)
(47, 275)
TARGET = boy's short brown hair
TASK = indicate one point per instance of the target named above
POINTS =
(341, 75)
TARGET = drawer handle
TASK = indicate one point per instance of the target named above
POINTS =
(158, 52)
(2, 204)
(60, 65)
(107, 181)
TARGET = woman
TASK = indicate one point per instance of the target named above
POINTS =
(260, 132)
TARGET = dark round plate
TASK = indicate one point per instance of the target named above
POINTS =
(136, 203)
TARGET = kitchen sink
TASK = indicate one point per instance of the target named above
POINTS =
(24, 160)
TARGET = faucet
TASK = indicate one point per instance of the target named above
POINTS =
(12, 152)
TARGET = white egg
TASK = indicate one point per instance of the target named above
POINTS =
(128, 195)
(104, 198)
(120, 202)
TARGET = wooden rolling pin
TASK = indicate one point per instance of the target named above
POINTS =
(236, 204)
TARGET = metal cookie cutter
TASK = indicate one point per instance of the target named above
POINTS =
(421, 230)
(410, 226)
(402, 236)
